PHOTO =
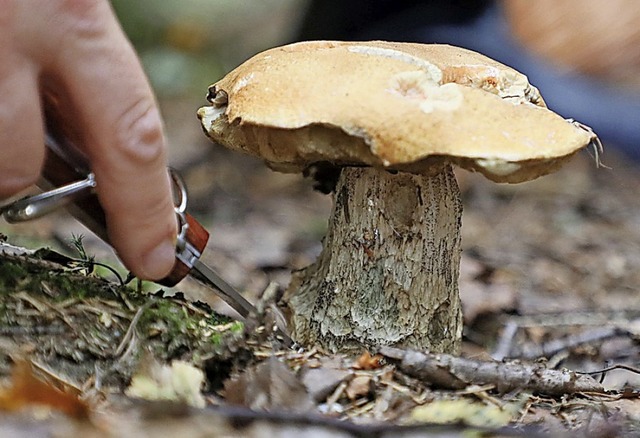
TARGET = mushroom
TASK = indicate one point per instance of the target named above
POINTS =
(394, 117)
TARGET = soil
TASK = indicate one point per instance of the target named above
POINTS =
(550, 275)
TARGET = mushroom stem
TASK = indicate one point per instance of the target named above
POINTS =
(388, 272)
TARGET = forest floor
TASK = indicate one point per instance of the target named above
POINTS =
(550, 277)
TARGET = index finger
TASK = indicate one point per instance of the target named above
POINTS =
(123, 133)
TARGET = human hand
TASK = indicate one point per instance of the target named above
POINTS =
(77, 49)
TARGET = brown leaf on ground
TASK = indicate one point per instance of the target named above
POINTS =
(268, 386)
(484, 290)
(322, 381)
(27, 390)
(359, 386)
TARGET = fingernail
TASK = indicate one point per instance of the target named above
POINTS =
(159, 261)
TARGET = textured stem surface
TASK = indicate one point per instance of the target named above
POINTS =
(388, 272)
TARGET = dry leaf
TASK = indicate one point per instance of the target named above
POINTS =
(28, 390)
(320, 382)
(358, 386)
(368, 362)
(465, 411)
(179, 382)
(269, 385)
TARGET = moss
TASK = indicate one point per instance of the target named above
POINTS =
(181, 329)
(30, 275)
(77, 321)
(10, 275)
(215, 319)
(237, 327)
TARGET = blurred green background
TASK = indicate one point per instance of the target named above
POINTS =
(187, 44)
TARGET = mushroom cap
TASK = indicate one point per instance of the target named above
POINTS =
(400, 106)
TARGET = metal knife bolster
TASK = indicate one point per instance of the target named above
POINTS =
(188, 254)
(191, 242)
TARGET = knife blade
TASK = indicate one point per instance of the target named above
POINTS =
(204, 274)
(226, 292)
(67, 177)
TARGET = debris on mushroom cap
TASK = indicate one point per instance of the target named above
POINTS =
(394, 105)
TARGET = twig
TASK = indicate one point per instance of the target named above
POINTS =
(618, 366)
(238, 421)
(446, 371)
(617, 318)
(335, 396)
(12, 250)
(60, 381)
(557, 345)
(504, 345)
(131, 330)
(31, 331)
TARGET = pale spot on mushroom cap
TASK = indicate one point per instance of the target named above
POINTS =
(430, 96)
(435, 74)
(515, 87)
(497, 166)
(445, 98)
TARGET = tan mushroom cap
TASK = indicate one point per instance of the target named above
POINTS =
(393, 105)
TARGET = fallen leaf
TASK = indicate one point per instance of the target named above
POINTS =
(27, 390)
(358, 387)
(270, 385)
(179, 382)
(465, 411)
(320, 382)
(368, 362)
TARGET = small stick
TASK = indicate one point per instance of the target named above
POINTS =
(446, 371)
(557, 345)
(618, 366)
(128, 336)
(504, 345)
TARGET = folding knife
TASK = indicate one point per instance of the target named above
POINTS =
(68, 181)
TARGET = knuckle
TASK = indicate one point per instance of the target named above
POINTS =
(139, 133)
(83, 18)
